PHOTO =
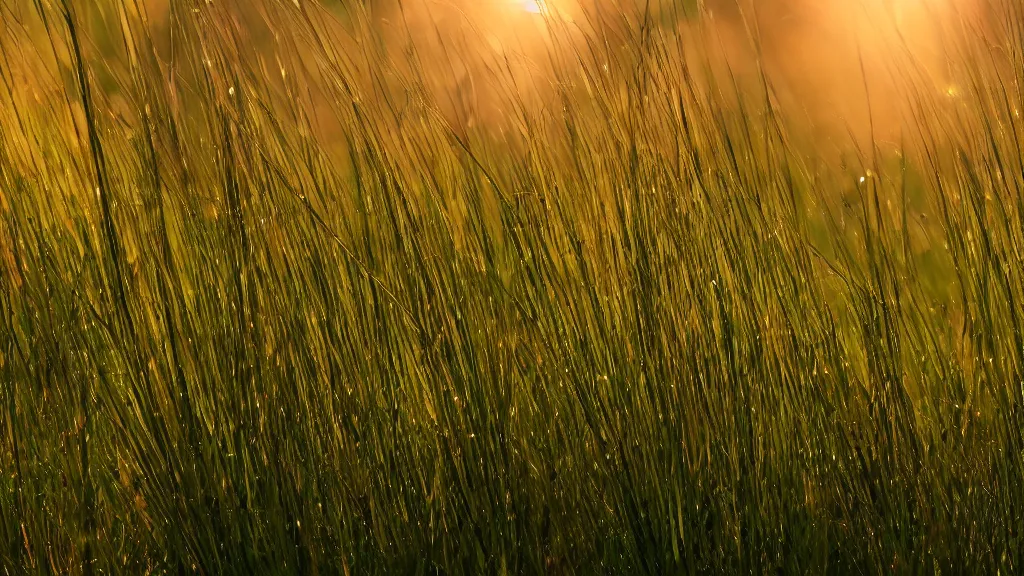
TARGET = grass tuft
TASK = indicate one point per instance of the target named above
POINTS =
(301, 287)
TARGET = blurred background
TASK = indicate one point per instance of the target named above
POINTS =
(829, 62)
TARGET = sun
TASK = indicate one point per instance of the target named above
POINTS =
(533, 6)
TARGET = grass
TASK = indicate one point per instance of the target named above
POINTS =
(272, 305)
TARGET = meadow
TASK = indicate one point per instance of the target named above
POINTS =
(322, 287)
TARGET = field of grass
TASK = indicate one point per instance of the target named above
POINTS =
(273, 303)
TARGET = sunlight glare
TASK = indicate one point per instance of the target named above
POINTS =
(533, 6)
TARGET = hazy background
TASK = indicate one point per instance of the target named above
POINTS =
(830, 62)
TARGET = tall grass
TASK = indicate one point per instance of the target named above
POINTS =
(269, 308)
